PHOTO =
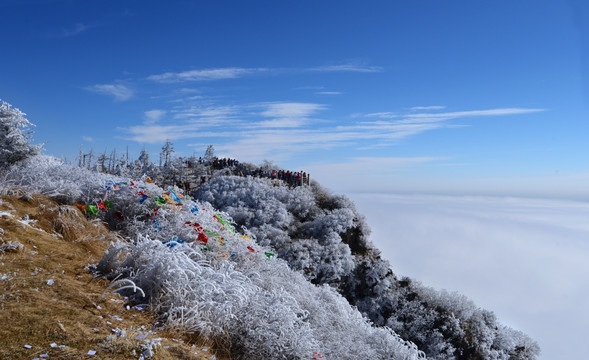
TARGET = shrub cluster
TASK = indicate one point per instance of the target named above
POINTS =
(226, 287)
(323, 236)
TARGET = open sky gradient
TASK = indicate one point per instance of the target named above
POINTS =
(422, 96)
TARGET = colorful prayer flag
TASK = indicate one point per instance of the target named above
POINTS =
(92, 209)
(175, 197)
(102, 206)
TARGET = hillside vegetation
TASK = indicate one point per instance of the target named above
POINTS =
(51, 301)
(324, 237)
(259, 267)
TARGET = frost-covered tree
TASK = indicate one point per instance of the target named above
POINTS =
(167, 153)
(209, 153)
(15, 136)
(144, 157)
(101, 163)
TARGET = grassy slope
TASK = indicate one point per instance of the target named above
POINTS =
(57, 246)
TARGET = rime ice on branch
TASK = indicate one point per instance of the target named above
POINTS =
(15, 136)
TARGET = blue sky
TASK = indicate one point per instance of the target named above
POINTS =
(477, 97)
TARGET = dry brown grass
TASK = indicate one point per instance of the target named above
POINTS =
(57, 245)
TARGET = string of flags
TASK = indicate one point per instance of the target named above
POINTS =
(173, 199)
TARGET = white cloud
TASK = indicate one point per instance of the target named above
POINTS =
(209, 115)
(118, 91)
(388, 130)
(187, 122)
(153, 116)
(88, 138)
(347, 68)
(188, 91)
(75, 30)
(433, 107)
(383, 115)
(205, 74)
(237, 72)
(69, 31)
(282, 143)
(524, 259)
(429, 116)
(289, 128)
(328, 93)
(153, 134)
(281, 123)
(290, 109)
(433, 117)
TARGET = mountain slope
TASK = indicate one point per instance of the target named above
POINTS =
(323, 236)
(51, 301)
(202, 276)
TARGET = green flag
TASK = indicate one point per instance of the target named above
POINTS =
(92, 209)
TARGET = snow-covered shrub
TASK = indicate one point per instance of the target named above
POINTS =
(322, 236)
(188, 262)
(52, 177)
(264, 309)
(290, 221)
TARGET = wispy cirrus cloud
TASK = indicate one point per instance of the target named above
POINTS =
(393, 126)
(278, 130)
(287, 114)
(425, 108)
(118, 91)
(153, 116)
(183, 122)
(153, 134)
(75, 30)
(69, 31)
(441, 116)
(434, 117)
(205, 74)
(238, 72)
(329, 93)
(347, 68)
(290, 109)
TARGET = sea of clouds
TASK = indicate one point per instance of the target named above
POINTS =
(525, 259)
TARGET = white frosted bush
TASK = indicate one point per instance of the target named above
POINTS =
(322, 236)
(52, 177)
(266, 309)
(232, 288)
(290, 221)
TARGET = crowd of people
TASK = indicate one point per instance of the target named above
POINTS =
(219, 164)
(292, 178)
